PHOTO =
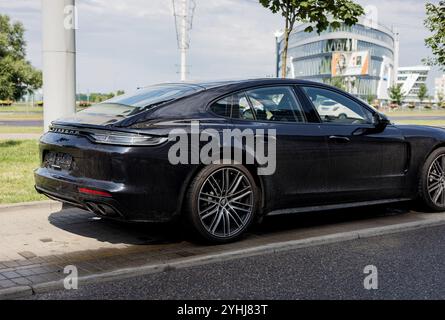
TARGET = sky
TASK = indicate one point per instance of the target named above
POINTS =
(125, 44)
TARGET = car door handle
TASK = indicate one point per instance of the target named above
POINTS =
(339, 139)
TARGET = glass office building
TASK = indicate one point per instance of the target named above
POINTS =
(363, 58)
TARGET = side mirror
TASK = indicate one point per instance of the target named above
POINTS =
(381, 121)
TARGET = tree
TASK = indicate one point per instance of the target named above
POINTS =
(423, 93)
(440, 98)
(370, 98)
(396, 94)
(337, 82)
(435, 23)
(17, 76)
(320, 14)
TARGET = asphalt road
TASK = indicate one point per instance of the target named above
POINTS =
(21, 123)
(410, 265)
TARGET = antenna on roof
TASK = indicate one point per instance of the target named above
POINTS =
(183, 11)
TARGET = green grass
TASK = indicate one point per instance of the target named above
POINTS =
(20, 108)
(415, 113)
(18, 159)
(9, 129)
(435, 123)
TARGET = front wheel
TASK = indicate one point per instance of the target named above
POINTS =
(222, 202)
(432, 181)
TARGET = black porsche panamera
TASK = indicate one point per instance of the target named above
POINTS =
(113, 158)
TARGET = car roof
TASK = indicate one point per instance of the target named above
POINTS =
(205, 85)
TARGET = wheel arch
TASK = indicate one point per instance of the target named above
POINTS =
(253, 170)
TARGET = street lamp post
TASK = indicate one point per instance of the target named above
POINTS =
(59, 59)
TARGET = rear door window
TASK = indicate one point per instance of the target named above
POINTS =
(276, 104)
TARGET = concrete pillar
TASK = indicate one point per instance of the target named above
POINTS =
(59, 59)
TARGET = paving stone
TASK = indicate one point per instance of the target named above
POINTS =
(11, 264)
(25, 272)
(36, 279)
(6, 284)
(27, 254)
(11, 274)
(39, 270)
(22, 281)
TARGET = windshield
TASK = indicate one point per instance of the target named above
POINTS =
(141, 99)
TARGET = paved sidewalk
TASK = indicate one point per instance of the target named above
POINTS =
(37, 243)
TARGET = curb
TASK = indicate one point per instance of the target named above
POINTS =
(15, 292)
(46, 204)
(24, 291)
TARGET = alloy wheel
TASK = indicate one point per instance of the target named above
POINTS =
(436, 181)
(226, 202)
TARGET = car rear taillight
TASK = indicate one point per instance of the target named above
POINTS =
(126, 139)
(95, 192)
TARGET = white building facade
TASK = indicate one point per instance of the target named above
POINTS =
(364, 57)
(411, 79)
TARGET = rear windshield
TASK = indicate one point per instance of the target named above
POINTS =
(141, 99)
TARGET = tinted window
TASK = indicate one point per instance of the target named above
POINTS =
(276, 104)
(337, 108)
(154, 95)
(235, 106)
(223, 107)
(241, 108)
(132, 103)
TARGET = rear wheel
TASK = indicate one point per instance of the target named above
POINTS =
(432, 181)
(222, 202)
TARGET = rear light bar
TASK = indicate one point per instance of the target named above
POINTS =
(95, 192)
(117, 138)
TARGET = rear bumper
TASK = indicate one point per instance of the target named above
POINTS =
(65, 189)
(142, 184)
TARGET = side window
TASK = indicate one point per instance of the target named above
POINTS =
(235, 106)
(222, 107)
(336, 108)
(276, 104)
(241, 108)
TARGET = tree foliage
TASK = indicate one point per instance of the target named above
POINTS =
(17, 76)
(423, 92)
(396, 94)
(440, 98)
(320, 14)
(435, 23)
(97, 97)
(337, 82)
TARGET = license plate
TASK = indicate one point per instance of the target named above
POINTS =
(58, 161)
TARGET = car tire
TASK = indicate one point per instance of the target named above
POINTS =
(432, 181)
(222, 202)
